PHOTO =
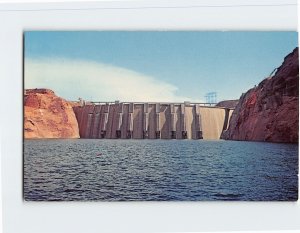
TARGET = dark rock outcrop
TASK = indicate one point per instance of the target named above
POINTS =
(48, 116)
(227, 103)
(270, 111)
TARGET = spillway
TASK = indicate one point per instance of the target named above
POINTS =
(151, 120)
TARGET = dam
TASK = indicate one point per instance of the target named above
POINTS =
(141, 120)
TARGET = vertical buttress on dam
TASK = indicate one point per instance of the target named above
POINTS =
(151, 120)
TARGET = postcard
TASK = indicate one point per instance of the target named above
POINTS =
(161, 116)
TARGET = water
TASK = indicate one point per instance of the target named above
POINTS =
(159, 170)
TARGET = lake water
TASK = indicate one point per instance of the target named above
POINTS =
(159, 170)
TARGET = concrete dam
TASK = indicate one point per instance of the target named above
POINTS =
(128, 120)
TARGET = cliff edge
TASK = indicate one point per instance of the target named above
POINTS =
(48, 116)
(270, 111)
(228, 103)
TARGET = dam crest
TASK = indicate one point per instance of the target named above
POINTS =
(151, 120)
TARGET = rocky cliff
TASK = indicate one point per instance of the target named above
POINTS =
(227, 103)
(48, 116)
(270, 111)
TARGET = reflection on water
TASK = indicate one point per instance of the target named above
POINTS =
(166, 170)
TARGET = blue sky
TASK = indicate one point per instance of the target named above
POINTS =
(166, 65)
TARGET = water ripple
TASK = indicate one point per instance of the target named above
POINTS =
(159, 170)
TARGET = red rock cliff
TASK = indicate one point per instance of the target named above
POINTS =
(48, 116)
(270, 111)
(228, 103)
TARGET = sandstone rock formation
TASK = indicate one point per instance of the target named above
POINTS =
(227, 103)
(48, 116)
(270, 111)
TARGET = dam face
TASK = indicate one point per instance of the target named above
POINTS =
(151, 121)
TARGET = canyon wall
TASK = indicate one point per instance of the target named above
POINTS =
(228, 103)
(269, 111)
(48, 116)
(151, 120)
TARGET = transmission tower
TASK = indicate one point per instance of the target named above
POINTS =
(211, 97)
